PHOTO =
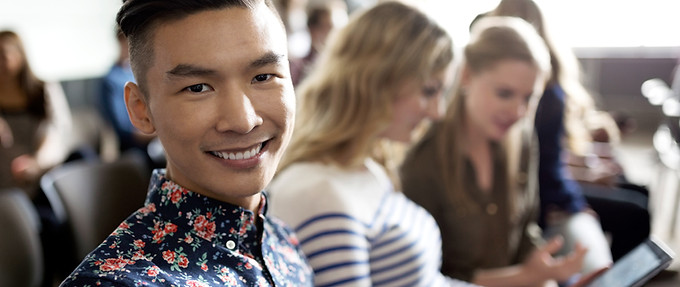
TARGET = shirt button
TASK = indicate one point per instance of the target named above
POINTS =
(231, 245)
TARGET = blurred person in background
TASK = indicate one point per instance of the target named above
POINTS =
(35, 125)
(380, 76)
(323, 16)
(112, 99)
(476, 171)
(576, 142)
(294, 16)
(35, 119)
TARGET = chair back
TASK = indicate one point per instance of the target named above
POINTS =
(21, 256)
(93, 198)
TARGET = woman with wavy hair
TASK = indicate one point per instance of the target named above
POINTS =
(475, 171)
(378, 79)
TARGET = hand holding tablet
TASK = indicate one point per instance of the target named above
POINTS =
(636, 267)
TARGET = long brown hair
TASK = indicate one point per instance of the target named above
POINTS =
(494, 39)
(28, 82)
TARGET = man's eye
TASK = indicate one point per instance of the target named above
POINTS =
(197, 88)
(262, 78)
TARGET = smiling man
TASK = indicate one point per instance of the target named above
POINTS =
(213, 84)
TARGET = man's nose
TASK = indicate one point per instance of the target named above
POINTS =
(236, 112)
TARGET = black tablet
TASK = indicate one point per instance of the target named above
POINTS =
(638, 266)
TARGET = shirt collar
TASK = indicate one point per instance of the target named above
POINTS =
(213, 220)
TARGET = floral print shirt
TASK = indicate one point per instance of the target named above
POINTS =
(182, 238)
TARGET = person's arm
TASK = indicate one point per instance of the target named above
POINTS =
(557, 189)
(325, 222)
(59, 126)
(337, 248)
(539, 269)
(510, 276)
(54, 146)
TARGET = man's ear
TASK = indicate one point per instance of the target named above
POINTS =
(137, 108)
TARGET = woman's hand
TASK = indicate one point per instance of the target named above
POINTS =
(25, 168)
(544, 266)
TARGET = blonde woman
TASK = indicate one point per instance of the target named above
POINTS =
(475, 171)
(378, 78)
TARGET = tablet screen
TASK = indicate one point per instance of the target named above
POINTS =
(639, 263)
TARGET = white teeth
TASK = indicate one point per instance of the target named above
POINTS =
(239, 155)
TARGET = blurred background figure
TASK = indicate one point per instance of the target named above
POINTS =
(564, 209)
(476, 170)
(380, 76)
(577, 141)
(294, 16)
(35, 119)
(111, 101)
(35, 127)
(323, 16)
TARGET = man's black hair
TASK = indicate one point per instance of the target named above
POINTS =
(137, 18)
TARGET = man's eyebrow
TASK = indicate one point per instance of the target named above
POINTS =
(267, 59)
(186, 70)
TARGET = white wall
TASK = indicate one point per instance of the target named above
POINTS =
(64, 39)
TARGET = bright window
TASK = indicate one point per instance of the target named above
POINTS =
(581, 23)
(71, 39)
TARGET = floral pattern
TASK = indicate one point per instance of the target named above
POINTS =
(182, 238)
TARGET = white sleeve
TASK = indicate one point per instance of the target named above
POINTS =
(333, 239)
(58, 128)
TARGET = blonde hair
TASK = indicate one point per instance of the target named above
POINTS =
(493, 39)
(346, 100)
(581, 115)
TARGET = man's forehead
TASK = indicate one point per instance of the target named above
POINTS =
(234, 35)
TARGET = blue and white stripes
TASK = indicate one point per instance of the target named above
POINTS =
(356, 230)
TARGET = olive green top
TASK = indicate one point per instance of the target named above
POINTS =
(488, 238)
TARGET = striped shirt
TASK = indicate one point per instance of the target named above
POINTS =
(356, 230)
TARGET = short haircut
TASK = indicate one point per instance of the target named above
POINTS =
(138, 19)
